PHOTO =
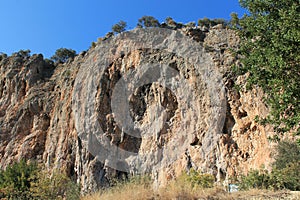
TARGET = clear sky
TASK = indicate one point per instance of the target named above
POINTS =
(46, 25)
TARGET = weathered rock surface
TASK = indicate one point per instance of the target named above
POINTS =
(46, 113)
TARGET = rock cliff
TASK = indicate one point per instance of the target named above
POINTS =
(76, 116)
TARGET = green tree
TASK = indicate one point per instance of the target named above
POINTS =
(204, 22)
(23, 53)
(26, 180)
(148, 21)
(270, 40)
(119, 27)
(63, 54)
(15, 180)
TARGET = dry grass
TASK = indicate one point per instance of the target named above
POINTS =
(183, 191)
(126, 191)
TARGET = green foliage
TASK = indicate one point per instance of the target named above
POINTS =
(148, 21)
(255, 179)
(63, 54)
(119, 27)
(23, 53)
(210, 23)
(170, 21)
(277, 179)
(24, 180)
(286, 153)
(15, 180)
(270, 40)
(198, 179)
(291, 176)
(285, 175)
(204, 22)
(54, 186)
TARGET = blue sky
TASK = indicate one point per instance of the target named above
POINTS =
(46, 25)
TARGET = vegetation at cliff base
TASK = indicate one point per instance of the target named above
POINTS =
(284, 175)
(270, 40)
(26, 180)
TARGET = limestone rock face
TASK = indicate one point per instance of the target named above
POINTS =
(153, 101)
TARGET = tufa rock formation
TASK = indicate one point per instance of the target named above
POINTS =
(46, 111)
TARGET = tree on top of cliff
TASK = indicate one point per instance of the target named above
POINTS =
(148, 21)
(63, 54)
(210, 22)
(23, 53)
(119, 27)
(270, 40)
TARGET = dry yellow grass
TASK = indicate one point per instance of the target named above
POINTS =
(181, 190)
(126, 191)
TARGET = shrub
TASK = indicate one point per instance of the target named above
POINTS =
(197, 179)
(190, 24)
(287, 152)
(170, 21)
(15, 179)
(23, 53)
(25, 180)
(54, 186)
(285, 175)
(93, 45)
(119, 27)
(291, 176)
(148, 21)
(286, 178)
(210, 22)
(255, 179)
(63, 54)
